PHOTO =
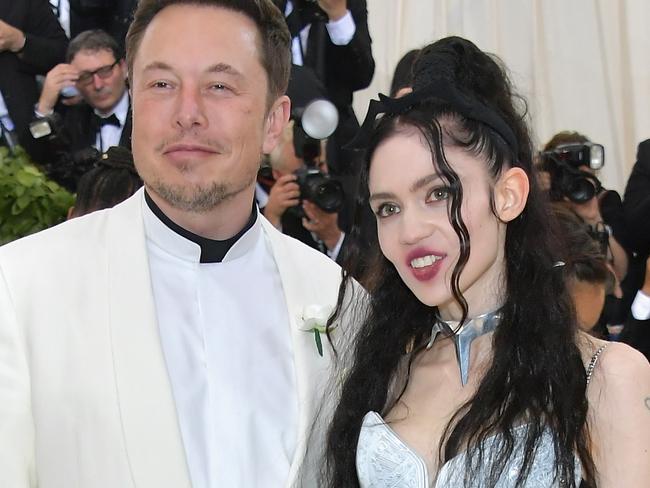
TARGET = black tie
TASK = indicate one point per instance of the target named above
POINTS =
(110, 120)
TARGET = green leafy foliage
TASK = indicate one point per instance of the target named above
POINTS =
(29, 202)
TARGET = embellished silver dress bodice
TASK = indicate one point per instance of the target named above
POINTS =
(385, 461)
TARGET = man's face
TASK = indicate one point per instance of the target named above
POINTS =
(284, 159)
(200, 119)
(100, 93)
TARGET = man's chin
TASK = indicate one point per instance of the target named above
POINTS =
(104, 105)
(195, 198)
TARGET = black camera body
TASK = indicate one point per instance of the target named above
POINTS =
(320, 189)
(567, 179)
(315, 185)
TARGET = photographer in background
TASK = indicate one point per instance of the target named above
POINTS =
(568, 171)
(31, 43)
(64, 130)
(295, 191)
(289, 209)
(569, 165)
(331, 38)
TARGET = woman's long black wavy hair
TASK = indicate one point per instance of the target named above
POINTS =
(536, 376)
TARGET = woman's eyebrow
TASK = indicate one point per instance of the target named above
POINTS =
(416, 186)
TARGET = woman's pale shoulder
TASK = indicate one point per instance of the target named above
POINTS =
(616, 365)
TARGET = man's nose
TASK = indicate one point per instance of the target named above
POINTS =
(190, 111)
(98, 83)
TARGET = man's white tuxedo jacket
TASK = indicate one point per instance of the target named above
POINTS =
(85, 398)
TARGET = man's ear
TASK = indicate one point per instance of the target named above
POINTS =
(276, 121)
(511, 194)
(124, 69)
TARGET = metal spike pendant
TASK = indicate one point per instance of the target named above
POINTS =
(439, 327)
(464, 337)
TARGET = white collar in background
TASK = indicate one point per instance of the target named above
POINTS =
(120, 110)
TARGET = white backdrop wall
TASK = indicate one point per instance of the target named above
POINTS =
(582, 65)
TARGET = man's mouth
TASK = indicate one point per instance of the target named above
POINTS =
(188, 148)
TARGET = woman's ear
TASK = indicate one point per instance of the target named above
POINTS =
(511, 194)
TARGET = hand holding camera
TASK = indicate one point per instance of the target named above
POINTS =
(284, 194)
(59, 81)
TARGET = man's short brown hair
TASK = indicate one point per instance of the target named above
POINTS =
(92, 40)
(273, 33)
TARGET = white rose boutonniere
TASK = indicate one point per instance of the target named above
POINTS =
(314, 319)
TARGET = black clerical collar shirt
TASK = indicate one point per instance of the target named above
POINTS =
(212, 250)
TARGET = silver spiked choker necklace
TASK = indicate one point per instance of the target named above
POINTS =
(463, 338)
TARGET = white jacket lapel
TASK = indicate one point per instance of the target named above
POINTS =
(312, 370)
(153, 440)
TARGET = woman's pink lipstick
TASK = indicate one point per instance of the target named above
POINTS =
(425, 273)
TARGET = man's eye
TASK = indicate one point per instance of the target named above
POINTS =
(438, 194)
(386, 210)
(160, 84)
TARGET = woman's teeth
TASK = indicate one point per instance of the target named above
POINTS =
(425, 261)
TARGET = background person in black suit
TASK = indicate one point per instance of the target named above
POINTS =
(636, 288)
(111, 16)
(331, 38)
(97, 71)
(300, 219)
(31, 43)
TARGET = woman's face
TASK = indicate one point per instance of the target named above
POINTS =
(410, 204)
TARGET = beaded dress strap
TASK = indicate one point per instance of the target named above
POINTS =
(594, 360)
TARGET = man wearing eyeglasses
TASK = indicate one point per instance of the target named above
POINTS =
(84, 104)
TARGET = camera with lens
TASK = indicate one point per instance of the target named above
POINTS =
(315, 185)
(563, 163)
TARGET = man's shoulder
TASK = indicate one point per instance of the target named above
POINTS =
(67, 242)
(64, 237)
(306, 256)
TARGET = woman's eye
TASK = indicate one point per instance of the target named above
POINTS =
(386, 210)
(438, 194)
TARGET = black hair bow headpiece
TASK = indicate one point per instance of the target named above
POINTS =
(440, 91)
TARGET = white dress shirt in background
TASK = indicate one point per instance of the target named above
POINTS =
(641, 306)
(110, 135)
